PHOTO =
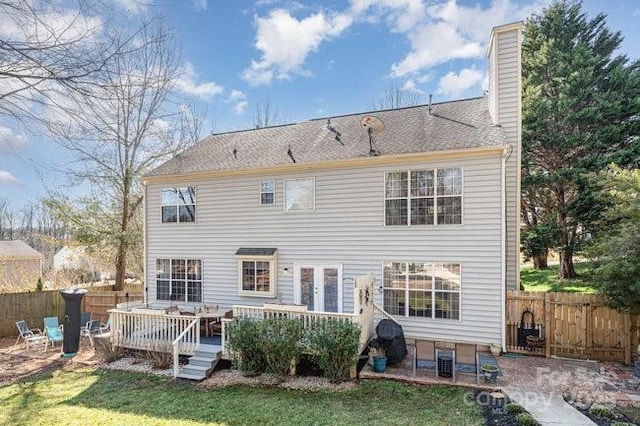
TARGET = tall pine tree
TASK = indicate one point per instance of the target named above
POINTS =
(581, 111)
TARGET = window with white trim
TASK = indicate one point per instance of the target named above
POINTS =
(179, 280)
(427, 290)
(179, 204)
(299, 195)
(257, 272)
(423, 197)
(267, 192)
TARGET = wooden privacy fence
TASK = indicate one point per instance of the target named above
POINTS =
(98, 303)
(31, 307)
(34, 306)
(573, 325)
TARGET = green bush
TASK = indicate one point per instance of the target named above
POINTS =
(280, 344)
(601, 411)
(334, 347)
(514, 408)
(526, 419)
(245, 345)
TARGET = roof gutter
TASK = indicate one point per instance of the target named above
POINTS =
(332, 164)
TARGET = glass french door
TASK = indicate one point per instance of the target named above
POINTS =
(319, 287)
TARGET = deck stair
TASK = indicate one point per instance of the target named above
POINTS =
(202, 363)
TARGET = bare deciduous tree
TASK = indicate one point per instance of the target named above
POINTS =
(396, 97)
(266, 114)
(129, 125)
(47, 51)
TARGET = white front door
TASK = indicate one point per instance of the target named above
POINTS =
(319, 287)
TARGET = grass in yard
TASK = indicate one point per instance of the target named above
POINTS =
(547, 279)
(82, 397)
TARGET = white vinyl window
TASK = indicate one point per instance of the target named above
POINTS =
(179, 280)
(427, 290)
(299, 195)
(423, 197)
(267, 192)
(257, 276)
(179, 205)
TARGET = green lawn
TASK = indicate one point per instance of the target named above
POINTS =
(101, 397)
(547, 279)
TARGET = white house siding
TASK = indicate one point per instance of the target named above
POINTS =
(505, 104)
(347, 227)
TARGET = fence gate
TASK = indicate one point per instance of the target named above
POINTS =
(574, 325)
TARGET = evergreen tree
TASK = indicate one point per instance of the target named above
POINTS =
(617, 249)
(581, 104)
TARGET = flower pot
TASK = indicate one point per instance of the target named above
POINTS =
(495, 349)
(490, 373)
(379, 364)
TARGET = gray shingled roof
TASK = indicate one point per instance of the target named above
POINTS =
(17, 249)
(453, 125)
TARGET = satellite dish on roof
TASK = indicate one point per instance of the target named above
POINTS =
(373, 124)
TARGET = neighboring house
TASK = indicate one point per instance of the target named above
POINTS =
(20, 266)
(424, 198)
(77, 260)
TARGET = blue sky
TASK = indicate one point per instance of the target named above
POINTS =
(312, 59)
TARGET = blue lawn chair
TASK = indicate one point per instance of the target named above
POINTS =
(53, 330)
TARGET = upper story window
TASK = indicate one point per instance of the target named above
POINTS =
(179, 280)
(423, 197)
(267, 192)
(179, 204)
(416, 289)
(299, 195)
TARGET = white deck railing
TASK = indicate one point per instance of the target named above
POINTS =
(153, 330)
(175, 345)
(308, 318)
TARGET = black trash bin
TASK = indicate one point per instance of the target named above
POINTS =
(72, 308)
(391, 337)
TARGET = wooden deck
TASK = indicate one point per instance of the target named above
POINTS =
(148, 328)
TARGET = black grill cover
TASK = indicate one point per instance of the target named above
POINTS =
(391, 337)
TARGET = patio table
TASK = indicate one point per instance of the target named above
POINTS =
(210, 317)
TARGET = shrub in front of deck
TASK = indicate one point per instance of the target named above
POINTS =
(334, 346)
(107, 351)
(159, 355)
(281, 344)
(245, 344)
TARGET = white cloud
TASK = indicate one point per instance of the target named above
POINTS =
(445, 30)
(187, 83)
(410, 86)
(286, 41)
(401, 15)
(8, 178)
(437, 31)
(63, 24)
(200, 4)
(434, 44)
(239, 101)
(134, 6)
(11, 142)
(454, 85)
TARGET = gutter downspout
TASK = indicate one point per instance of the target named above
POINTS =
(144, 244)
(503, 236)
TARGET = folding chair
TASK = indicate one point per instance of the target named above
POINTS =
(29, 335)
(53, 331)
(92, 328)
